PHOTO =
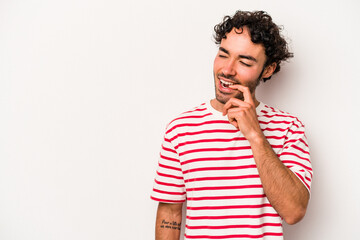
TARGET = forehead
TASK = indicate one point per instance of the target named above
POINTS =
(239, 42)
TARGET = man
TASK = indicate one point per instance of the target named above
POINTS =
(241, 166)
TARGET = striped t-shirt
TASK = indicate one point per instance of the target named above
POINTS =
(207, 162)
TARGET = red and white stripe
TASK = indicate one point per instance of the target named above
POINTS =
(207, 162)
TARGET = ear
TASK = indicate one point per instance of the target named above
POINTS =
(269, 70)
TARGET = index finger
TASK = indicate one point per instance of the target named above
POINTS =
(245, 91)
(234, 103)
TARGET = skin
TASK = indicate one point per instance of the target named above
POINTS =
(241, 62)
(285, 191)
(168, 213)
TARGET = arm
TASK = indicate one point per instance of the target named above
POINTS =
(168, 221)
(286, 193)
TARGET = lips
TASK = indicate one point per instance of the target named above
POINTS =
(225, 84)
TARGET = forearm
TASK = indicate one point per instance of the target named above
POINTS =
(286, 193)
(168, 221)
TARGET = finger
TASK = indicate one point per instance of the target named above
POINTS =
(235, 124)
(232, 120)
(235, 111)
(234, 102)
(232, 116)
(245, 91)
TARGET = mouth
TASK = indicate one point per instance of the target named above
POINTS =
(225, 84)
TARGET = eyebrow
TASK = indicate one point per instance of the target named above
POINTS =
(240, 56)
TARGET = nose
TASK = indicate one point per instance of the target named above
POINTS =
(229, 68)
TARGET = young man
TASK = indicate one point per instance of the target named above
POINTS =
(241, 166)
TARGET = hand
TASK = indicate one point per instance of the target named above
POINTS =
(242, 114)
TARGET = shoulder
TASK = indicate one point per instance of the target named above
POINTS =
(194, 115)
(272, 114)
(191, 115)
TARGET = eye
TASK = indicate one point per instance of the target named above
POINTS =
(222, 56)
(248, 65)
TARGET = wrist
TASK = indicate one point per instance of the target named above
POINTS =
(257, 139)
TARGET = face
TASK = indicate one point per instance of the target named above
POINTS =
(238, 61)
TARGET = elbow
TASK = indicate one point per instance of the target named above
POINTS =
(296, 211)
(295, 216)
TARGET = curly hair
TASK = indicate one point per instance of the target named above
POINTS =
(262, 31)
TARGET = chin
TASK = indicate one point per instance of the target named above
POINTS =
(224, 98)
(221, 98)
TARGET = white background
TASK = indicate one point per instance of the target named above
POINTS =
(87, 88)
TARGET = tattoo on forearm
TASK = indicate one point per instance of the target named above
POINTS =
(170, 225)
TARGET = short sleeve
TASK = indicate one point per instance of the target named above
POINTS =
(169, 184)
(295, 154)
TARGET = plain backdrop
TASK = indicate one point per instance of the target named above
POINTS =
(87, 88)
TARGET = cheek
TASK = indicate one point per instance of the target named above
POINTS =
(247, 74)
(217, 64)
(220, 63)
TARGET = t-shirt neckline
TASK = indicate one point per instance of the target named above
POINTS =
(215, 112)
